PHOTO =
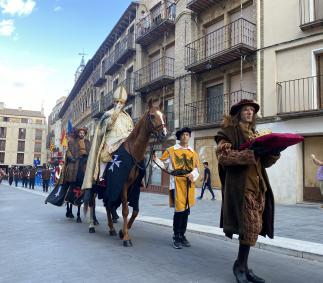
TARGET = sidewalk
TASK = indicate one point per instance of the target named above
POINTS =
(298, 228)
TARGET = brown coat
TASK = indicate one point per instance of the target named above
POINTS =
(72, 159)
(45, 174)
(233, 180)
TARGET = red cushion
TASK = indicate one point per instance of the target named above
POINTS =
(274, 140)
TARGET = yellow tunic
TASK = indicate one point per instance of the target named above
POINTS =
(182, 159)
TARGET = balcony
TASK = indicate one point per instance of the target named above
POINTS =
(108, 100)
(122, 51)
(311, 14)
(97, 109)
(156, 75)
(300, 96)
(201, 5)
(210, 111)
(98, 78)
(221, 46)
(160, 19)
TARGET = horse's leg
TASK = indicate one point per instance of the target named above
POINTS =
(67, 210)
(71, 211)
(95, 220)
(112, 231)
(125, 212)
(78, 219)
(132, 218)
(91, 222)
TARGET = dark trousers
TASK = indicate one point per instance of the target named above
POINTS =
(180, 223)
(208, 186)
(24, 182)
(31, 183)
(10, 180)
(45, 185)
(16, 182)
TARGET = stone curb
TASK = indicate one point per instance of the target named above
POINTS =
(281, 245)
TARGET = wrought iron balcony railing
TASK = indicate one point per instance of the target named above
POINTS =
(201, 5)
(122, 51)
(311, 13)
(300, 95)
(155, 75)
(221, 46)
(98, 77)
(210, 111)
(161, 18)
(97, 109)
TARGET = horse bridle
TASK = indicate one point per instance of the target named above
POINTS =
(155, 130)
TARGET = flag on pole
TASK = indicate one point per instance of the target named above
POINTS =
(69, 127)
(64, 138)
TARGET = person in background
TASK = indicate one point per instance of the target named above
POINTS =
(24, 177)
(10, 175)
(206, 181)
(32, 175)
(16, 175)
(45, 174)
(319, 174)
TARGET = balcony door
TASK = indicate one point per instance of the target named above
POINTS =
(214, 42)
(214, 103)
(154, 67)
(320, 79)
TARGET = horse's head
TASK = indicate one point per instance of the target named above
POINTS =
(157, 120)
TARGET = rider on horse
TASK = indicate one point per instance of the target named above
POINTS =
(113, 129)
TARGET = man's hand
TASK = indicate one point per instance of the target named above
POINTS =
(190, 177)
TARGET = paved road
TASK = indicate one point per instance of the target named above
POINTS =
(38, 244)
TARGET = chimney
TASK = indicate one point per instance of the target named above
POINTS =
(2, 105)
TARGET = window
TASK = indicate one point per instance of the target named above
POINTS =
(3, 132)
(6, 119)
(37, 147)
(24, 120)
(21, 146)
(22, 134)
(20, 158)
(2, 154)
(38, 121)
(2, 145)
(38, 134)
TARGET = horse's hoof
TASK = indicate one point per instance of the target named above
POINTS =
(78, 220)
(115, 220)
(120, 234)
(67, 215)
(112, 233)
(96, 222)
(71, 215)
(127, 243)
(91, 230)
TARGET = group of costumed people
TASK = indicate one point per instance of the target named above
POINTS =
(247, 197)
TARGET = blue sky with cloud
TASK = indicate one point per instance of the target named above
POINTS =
(39, 45)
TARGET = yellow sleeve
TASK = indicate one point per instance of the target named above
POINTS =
(165, 155)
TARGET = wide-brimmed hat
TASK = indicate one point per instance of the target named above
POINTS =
(236, 107)
(181, 131)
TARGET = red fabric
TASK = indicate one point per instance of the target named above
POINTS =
(274, 140)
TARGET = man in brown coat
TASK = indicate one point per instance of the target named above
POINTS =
(45, 174)
(32, 175)
(76, 160)
(248, 203)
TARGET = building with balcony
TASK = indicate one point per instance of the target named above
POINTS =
(290, 88)
(22, 137)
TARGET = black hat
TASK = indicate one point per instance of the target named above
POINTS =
(236, 107)
(181, 131)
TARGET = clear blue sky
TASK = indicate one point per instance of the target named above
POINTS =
(39, 45)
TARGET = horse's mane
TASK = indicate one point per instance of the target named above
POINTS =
(139, 124)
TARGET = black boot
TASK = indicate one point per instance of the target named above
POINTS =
(253, 277)
(241, 276)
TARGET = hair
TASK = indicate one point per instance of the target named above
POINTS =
(206, 163)
(237, 118)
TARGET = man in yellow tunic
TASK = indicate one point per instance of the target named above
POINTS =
(183, 161)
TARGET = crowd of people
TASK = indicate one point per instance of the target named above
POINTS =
(27, 176)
